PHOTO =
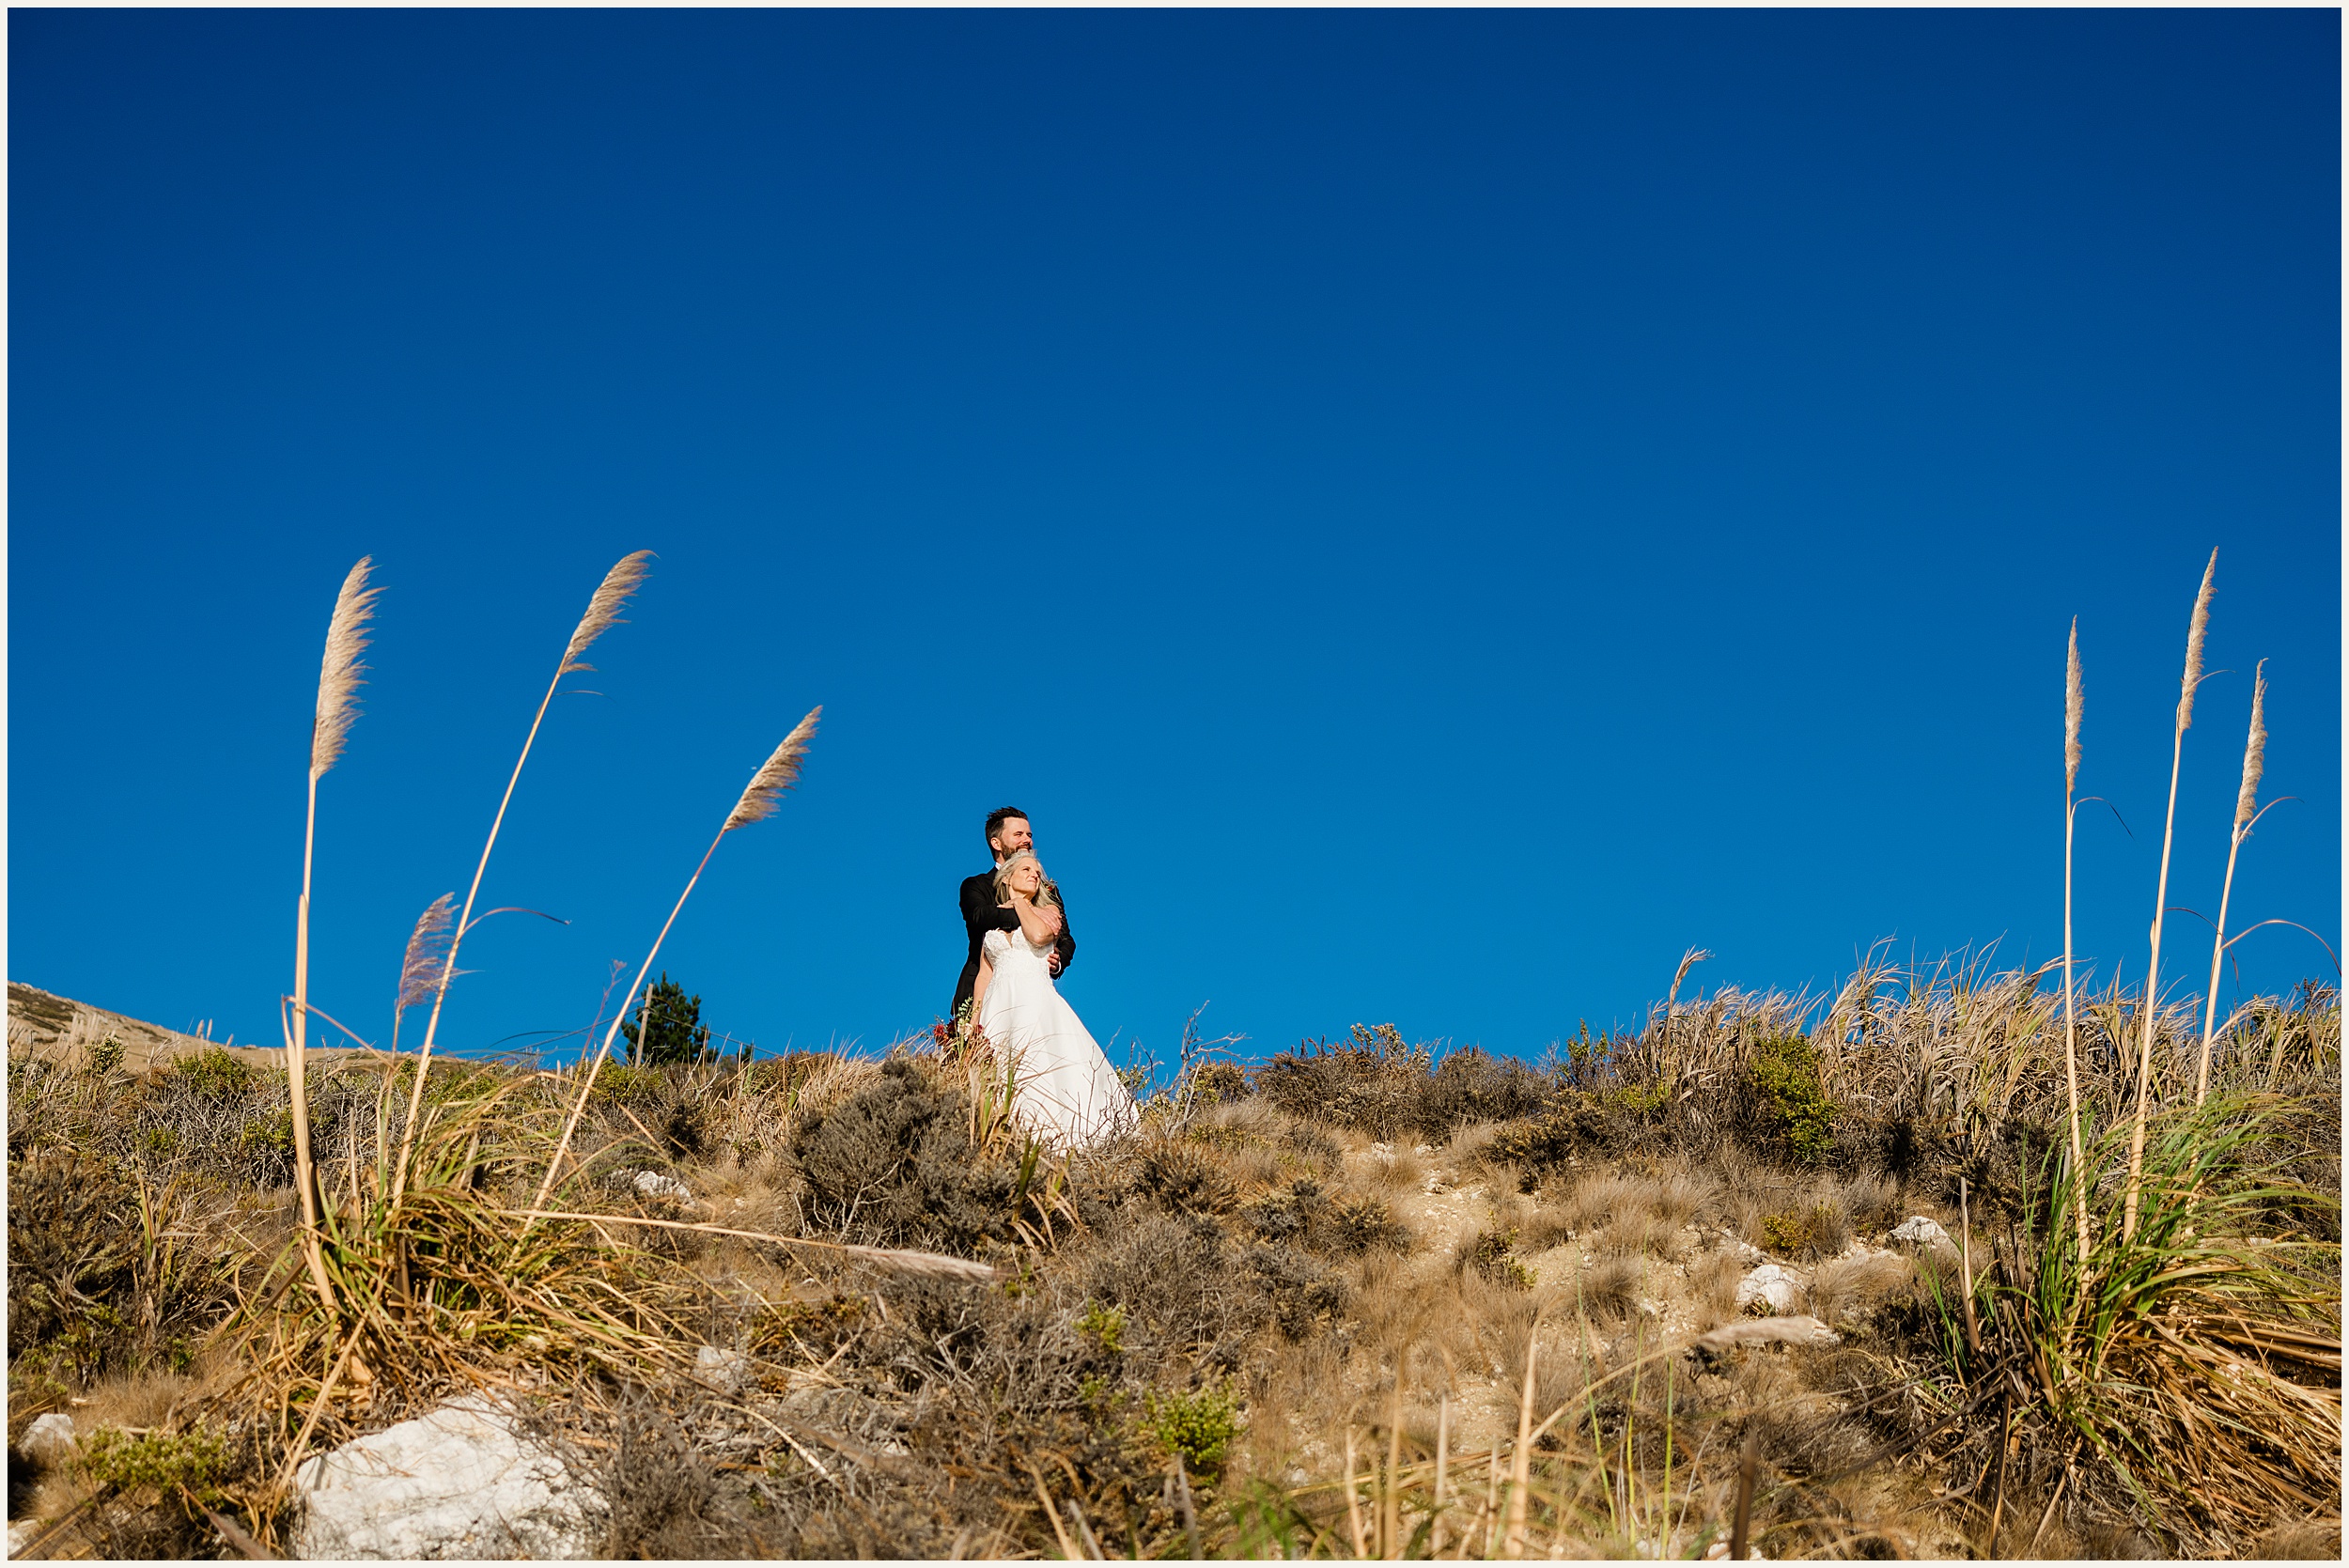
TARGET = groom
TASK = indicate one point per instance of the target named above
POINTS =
(1007, 833)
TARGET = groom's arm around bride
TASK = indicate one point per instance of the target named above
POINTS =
(982, 914)
(1007, 833)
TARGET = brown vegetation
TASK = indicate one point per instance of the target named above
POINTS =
(1222, 1307)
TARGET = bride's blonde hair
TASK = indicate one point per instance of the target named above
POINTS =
(1045, 892)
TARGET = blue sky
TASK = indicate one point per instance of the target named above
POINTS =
(1433, 513)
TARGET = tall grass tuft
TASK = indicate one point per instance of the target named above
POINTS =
(760, 800)
(2246, 814)
(2075, 703)
(2196, 631)
(603, 613)
(2198, 1354)
(338, 706)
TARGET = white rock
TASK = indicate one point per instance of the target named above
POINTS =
(725, 1371)
(1919, 1231)
(1744, 1251)
(652, 1183)
(459, 1483)
(49, 1439)
(21, 1534)
(1773, 1284)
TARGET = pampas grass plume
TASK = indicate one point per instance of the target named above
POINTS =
(2254, 750)
(781, 771)
(604, 610)
(427, 953)
(2074, 701)
(2194, 635)
(338, 672)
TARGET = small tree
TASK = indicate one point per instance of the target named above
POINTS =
(668, 1028)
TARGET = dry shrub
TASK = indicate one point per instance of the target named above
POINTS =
(1396, 1171)
(1186, 1178)
(1609, 1288)
(1180, 1282)
(1683, 1194)
(2300, 1540)
(1471, 1086)
(665, 1498)
(1637, 1233)
(1712, 1287)
(1871, 1200)
(1813, 1226)
(1358, 1225)
(1492, 1256)
(1841, 1286)
(894, 1164)
(95, 1285)
(1336, 1225)
(1544, 1228)
(1497, 1315)
(1373, 1082)
(1392, 1090)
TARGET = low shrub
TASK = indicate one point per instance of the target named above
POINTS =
(620, 1084)
(1185, 1179)
(1575, 1119)
(1373, 1082)
(1301, 1293)
(169, 1462)
(1220, 1084)
(1493, 1256)
(1473, 1085)
(1199, 1426)
(1104, 1326)
(212, 1074)
(1356, 1225)
(894, 1164)
(1784, 1073)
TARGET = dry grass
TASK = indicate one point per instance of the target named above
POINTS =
(1180, 1239)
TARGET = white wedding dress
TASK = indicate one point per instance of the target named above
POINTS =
(1064, 1089)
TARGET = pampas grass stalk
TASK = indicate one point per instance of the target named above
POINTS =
(2196, 631)
(760, 800)
(330, 728)
(603, 614)
(1520, 1459)
(2074, 703)
(2245, 813)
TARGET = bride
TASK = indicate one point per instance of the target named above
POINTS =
(1065, 1088)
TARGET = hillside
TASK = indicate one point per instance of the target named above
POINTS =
(1350, 1299)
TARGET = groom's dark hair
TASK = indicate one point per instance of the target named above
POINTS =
(1000, 816)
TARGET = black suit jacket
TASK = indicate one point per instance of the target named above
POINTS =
(982, 914)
